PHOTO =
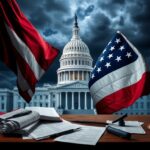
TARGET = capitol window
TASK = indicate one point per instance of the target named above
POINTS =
(2, 106)
(142, 104)
(136, 105)
(75, 62)
(2, 97)
(40, 96)
(46, 96)
(35, 104)
(79, 62)
(40, 104)
(83, 62)
(19, 104)
(46, 104)
(148, 105)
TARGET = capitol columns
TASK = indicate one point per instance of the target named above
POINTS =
(60, 97)
(91, 103)
(79, 103)
(85, 100)
(66, 100)
(72, 102)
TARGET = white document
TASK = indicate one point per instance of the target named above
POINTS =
(45, 130)
(130, 126)
(88, 135)
(46, 113)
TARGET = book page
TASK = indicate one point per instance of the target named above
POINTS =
(46, 113)
(88, 135)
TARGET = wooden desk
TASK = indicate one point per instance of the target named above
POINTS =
(104, 140)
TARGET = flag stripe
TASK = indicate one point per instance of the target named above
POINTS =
(24, 86)
(119, 77)
(25, 52)
(22, 48)
(123, 98)
(11, 57)
(116, 80)
(7, 54)
(25, 31)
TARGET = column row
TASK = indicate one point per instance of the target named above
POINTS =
(75, 100)
(73, 75)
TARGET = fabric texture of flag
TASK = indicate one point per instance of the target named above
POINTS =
(22, 48)
(119, 77)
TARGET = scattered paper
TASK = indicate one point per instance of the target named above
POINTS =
(88, 135)
(45, 130)
(130, 126)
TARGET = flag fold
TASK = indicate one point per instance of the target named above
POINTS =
(120, 76)
(22, 48)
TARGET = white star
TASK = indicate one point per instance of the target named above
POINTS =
(110, 56)
(117, 41)
(118, 58)
(99, 69)
(122, 48)
(104, 51)
(101, 59)
(112, 48)
(92, 76)
(129, 55)
(108, 65)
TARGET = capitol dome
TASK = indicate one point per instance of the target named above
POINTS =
(76, 61)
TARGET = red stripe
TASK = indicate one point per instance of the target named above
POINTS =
(25, 94)
(11, 57)
(124, 97)
(43, 52)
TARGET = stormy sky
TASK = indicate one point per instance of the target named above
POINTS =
(98, 21)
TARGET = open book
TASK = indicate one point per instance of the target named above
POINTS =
(24, 120)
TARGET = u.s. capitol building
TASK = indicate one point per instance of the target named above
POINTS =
(71, 93)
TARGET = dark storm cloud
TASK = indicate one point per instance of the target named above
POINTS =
(98, 21)
(83, 12)
(49, 32)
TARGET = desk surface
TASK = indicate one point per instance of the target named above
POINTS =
(106, 138)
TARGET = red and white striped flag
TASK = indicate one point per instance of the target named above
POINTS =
(119, 77)
(22, 48)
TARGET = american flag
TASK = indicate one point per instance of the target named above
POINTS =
(22, 48)
(119, 76)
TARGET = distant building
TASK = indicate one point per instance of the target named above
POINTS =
(6, 100)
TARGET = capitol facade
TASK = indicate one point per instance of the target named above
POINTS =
(71, 94)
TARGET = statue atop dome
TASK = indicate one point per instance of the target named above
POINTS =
(75, 21)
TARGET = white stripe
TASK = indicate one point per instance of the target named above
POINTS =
(118, 79)
(22, 83)
(26, 53)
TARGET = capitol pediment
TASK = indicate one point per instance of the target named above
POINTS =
(74, 85)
